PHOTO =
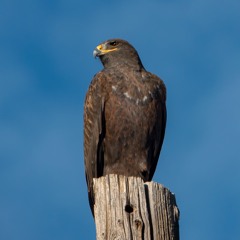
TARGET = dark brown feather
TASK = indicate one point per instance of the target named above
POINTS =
(124, 118)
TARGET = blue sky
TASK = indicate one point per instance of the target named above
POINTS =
(46, 65)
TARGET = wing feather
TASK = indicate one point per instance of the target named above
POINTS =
(158, 141)
(94, 130)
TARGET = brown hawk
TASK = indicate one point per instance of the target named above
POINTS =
(124, 116)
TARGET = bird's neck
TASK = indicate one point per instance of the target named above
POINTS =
(134, 64)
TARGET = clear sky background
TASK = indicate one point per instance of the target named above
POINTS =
(46, 65)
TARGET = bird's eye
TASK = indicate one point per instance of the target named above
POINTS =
(113, 43)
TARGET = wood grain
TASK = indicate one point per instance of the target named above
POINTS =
(126, 208)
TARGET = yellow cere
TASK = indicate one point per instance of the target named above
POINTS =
(99, 47)
(103, 51)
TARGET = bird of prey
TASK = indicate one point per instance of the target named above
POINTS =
(124, 116)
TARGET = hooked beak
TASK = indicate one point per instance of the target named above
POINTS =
(96, 52)
(102, 49)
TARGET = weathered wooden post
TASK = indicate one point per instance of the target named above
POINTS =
(126, 208)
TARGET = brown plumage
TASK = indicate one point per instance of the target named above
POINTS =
(124, 116)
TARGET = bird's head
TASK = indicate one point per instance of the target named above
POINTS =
(116, 52)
